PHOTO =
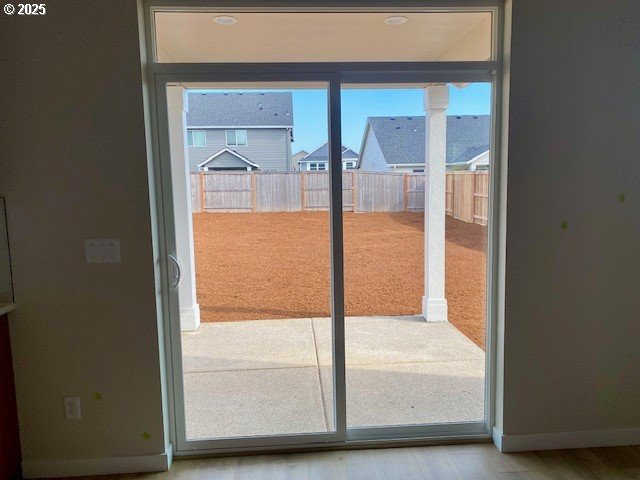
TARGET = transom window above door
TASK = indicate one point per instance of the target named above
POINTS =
(187, 36)
(197, 138)
(236, 138)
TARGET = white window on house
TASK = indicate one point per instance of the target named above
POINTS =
(314, 166)
(236, 138)
(349, 165)
(197, 138)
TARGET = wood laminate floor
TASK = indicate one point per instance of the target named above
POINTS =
(459, 462)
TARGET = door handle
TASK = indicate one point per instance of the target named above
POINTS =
(177, 276)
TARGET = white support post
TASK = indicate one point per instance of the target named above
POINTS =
(436, 101)
(177, 103)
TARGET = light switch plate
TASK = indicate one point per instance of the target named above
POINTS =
(72, 409)
(102, 250)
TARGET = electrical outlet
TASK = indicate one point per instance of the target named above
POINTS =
(72, 408)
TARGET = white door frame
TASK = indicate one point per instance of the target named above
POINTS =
(333, 74)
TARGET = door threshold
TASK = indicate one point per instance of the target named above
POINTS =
(354, 444)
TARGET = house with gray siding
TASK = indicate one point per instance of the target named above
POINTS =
(397, 144)
(296, 157)
(239, 131)
(319, 159)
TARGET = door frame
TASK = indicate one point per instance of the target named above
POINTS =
(333, 75)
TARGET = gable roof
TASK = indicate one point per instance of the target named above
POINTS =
(232, 152)
(348, 153)
(469, 154)
(322, 153)
(402, 139)
(259, 109)
(296, 157)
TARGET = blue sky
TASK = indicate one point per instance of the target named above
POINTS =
(359, 104)
(310, 110)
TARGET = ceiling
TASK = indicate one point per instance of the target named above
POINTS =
(322, 37)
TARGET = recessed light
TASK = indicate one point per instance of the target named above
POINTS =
(225, 20)
(395, 20)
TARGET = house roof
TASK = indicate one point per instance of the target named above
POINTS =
(348, 153)
(322, 153)
(402, 139)
(259, 109)
(296, 157)
(469, 154)
(232, 152)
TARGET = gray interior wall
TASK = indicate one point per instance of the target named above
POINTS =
(73, 76)
(572, 330)
(268, 147)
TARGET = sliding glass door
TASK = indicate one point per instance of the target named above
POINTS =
(326, 230)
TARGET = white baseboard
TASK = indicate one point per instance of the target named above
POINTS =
(97, 466)
(497, 436)
(564, 440)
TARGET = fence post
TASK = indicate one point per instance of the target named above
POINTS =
(453, 194)
(253, 191)
(405, 192)
(475, 195)
(302, 199)
(354, 193)
(203, 197)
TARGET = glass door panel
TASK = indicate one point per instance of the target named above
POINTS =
(250, 183)
(415, 252)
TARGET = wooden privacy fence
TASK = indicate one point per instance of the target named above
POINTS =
(466, 192)
(467, 196)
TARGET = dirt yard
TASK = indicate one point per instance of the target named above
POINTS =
(254, 266)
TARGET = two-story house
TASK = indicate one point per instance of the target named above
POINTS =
(319, 159)
(397, 144)
(239, 131)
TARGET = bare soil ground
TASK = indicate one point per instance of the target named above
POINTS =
(254, 266)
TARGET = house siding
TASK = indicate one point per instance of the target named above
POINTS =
(304, 165)
(408, 169)
(227, 160)
(288, 149)
(372, 157)
(295, 159)
(268, 147)
(480, 161)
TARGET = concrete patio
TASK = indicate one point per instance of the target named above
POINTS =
(268, 377)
